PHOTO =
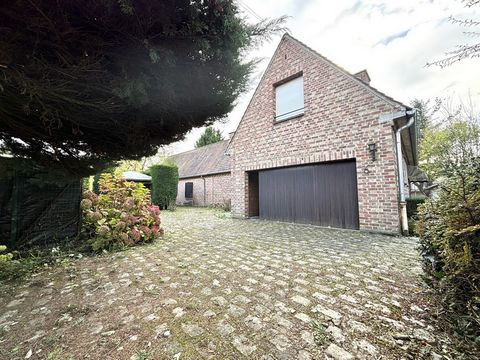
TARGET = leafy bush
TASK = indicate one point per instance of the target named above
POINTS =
(164, 184)
(412, 206)
(4, 256)
(449, 229)
(96, 178)
(412, 213)
(121, 215)
(451, 146)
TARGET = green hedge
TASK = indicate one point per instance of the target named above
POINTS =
(164, 184)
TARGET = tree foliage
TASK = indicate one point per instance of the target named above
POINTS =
(130, 165)
(85, 83)
(424, 114)
(209, 136)
(446, 148)
(463, 51)
(164, 184)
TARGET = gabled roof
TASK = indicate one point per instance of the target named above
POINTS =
(367, 86)
(206, 160)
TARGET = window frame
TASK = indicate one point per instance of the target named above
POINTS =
(189, 183)
(295, 111)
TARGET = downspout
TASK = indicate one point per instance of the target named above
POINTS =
(204, 191)
(401, 180)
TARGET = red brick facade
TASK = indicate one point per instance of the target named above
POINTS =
(341, 118)
(207, 191)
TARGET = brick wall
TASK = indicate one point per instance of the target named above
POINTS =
(340, 119)
(198, 197)
(209, 190)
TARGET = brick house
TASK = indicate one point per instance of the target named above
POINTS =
(319, 145)
(204, 176)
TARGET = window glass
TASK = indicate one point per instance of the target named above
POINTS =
(189, 190)
(289, 99)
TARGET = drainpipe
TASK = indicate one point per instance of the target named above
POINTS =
(401, 180)
(204, 191)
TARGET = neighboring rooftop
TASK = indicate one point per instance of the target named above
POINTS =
(206, 160)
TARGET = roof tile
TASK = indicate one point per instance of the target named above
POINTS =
(206, 160)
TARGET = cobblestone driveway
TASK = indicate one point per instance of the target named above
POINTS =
(227, 289)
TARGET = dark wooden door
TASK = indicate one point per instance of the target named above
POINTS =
(322, 194)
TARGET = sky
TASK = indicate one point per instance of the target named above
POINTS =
(392, 39)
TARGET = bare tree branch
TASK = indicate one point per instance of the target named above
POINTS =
(465, 51)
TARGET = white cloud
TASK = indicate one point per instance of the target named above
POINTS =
(393, 40)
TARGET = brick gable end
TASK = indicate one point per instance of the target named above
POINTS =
(340, 119)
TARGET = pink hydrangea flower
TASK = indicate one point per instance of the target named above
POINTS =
(86, 204)
(136, 235)
(124, 237)
(129, 203)
(121, 225)
(103, 230)
(97, 215)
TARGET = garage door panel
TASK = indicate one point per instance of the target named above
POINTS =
(276, 192)
(303, 190)
(323, 194)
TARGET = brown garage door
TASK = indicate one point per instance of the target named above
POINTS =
(323, 194)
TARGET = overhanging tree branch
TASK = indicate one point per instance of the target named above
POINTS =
(85, 83)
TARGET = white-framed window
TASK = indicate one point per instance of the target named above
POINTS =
(289, 99)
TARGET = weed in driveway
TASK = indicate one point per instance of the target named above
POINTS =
(320, 334)
(143, 355)
(58, 354)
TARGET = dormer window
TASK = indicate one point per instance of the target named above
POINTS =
(289, 99)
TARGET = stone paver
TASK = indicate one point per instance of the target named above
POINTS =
(192, 330)
(243, 345)
(217, 287)
(338, 353)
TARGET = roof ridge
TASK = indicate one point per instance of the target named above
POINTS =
(209, 159)
(199, 148)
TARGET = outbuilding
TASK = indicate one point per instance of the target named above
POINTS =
(204, 176)
(138, 177)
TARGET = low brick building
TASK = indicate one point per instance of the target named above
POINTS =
(316, 145)
(204, 176)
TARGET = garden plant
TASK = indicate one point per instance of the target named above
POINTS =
(121, 215)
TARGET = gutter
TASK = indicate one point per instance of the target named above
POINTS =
(204, 175)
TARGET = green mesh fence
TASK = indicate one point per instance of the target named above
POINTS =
(36, 207)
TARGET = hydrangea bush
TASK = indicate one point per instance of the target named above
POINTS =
(120, 215)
